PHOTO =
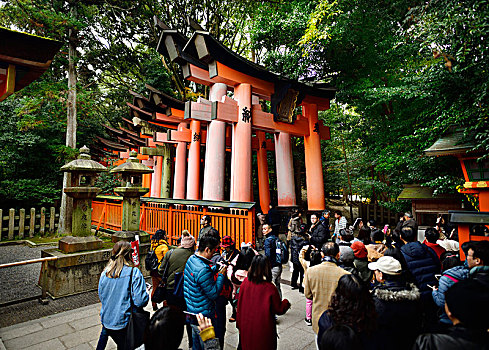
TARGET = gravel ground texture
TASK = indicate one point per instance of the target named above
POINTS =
(19, 282)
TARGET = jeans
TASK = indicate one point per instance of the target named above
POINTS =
(220, 324)
(298, 271)
(276, 277)
(309, 309)
(103, 339)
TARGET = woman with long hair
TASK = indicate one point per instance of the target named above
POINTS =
(115, 292)
(353, 306)
(258, 303)
(160, 246)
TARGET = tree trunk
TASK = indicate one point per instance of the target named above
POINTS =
(66, 210)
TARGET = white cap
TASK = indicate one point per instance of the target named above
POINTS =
(386, 264)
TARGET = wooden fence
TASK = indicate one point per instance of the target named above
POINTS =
(174, 218)
(377, 212)
(20, 224)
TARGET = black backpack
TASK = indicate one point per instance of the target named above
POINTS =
(151, 262)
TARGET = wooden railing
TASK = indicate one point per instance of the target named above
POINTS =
(377, 212)
(173, 216)
(20, 224)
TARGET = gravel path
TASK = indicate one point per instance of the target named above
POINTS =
(19, 282)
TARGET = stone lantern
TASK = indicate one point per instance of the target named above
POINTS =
(82, 189)
(131, 190)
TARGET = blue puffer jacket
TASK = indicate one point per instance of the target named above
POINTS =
(423, 264)
(199, 288)
(448, 279)
(270, 246)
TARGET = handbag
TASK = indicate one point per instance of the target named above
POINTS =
(178, 289)
(138, 321)
(160, 292)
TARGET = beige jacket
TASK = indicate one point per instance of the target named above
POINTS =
(320, 283)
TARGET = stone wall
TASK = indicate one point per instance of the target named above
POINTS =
(79, 272)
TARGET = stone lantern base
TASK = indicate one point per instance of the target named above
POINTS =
(130, 236)
(71, 244)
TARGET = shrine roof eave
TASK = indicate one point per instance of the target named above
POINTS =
(171, 44)
(166, 99)
(449, 144)
(208, 49)
(31, 55)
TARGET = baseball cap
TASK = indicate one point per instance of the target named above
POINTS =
(386, 264)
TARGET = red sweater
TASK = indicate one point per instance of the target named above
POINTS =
(257, 305)
(439, 250)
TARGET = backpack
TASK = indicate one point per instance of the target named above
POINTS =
(281, 252)
(151, 262)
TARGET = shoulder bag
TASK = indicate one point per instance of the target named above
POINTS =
(138, 321)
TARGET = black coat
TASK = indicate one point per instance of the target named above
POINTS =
(423, 263)
(319, 236)
(296, 244)
(457, 337)
(398, 309)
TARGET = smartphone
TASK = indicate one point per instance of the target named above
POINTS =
(438, 277)
(190, 314)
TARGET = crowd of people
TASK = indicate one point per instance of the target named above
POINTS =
(364, 287)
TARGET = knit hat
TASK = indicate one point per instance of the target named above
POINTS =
(346, 254)
(359, 250)
(227, 241)
(387, 265)
(187, 242)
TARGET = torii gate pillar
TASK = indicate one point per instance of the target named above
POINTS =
(285, 170)
(263, 184)
(215, 152)
(241, 182)
(180, 167)
(193, 176)
(314, 164)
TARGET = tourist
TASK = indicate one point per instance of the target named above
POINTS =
(176, 265)
(308, 257)
(115, 293)
(325, 222)
(377, 248)
(397, 305)
(351, 305)
(298, 241)
(372, 224)
(294, 225)
(159, 245)
(346, 237)
(317, 233)
(421, 261)
(205, 222)
(234, 259)
(431, 237)
(452, 272)
(201, 289)
(274, 218)
(340, 338)
(339, 223)
(258, 303)
(360, 261)
(364, 235)
(467, 306)
(165, 330)
(321, 280)
(407, 221)
(347, 256)
(262, 219)
(270, 246)
(478, 261)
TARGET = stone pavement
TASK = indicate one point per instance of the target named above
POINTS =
(80, 328)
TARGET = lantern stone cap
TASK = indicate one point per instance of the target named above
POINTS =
(84, 163)
(132, 166)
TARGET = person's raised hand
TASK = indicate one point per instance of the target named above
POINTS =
(204, 322)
